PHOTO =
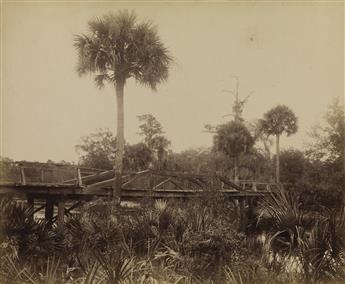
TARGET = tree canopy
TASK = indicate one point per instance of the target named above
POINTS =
(329, 137)
(233, 138)
(278, 120)
(118, 48)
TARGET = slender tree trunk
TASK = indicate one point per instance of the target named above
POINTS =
(277, 158)
(236, 169)
(120, 141)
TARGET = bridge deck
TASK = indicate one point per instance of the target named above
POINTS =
(70, 191)
(41, 182)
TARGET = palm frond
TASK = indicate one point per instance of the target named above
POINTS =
(121, 48)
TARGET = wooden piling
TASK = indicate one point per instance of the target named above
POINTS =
(61, 213)
(42, 175)
(22, 176)
(243, 216)
(49, 211)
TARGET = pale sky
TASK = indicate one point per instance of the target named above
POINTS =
(289, 54)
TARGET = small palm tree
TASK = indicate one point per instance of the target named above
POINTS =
(277, 121)
(233, 139)
(116, 49)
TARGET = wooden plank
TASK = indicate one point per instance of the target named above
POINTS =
(39, 209)
(75, 205)
(42, 175)
(175, 182)
(61, 213)
(228, 182)
(162, 183)
(104, 183)
(80, 180)
(91, 177)
(180, 174)
(22, 176)
(137, 175)
(197, 182)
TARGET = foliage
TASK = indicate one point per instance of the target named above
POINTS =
(326, 153)
(152, 132)
(118, 48)
(233, 139)
(312, 244)
(30, 237)
(292, 165)
(329, 137)
(98, 149)
(179, 242)
(137, 157)
(279, 120)
(7, 169)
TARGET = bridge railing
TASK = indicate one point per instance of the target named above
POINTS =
(32, 172)
(51, 173)
(252, 185)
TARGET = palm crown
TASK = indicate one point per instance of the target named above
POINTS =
(278, 120)
(118, 48)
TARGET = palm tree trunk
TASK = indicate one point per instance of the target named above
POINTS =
(236, 169)
(277, 158)
(120, 141)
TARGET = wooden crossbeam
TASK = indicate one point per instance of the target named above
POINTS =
(175, 182)
(67, 211)
(162, 183)
(88, 177)
(137, 175)
(228, 182)
(104, 183)
(39, 209)
(197, 181)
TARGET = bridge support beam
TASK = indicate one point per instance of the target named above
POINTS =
(243, 215)
(61, 213)
(49, 212)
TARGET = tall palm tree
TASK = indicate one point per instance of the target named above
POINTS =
(276, 121)
(118, 48)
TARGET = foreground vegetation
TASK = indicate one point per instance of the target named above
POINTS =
(175, 242)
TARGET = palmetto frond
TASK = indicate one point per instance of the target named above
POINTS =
(278, 120)
(100, 78)
(118, 48)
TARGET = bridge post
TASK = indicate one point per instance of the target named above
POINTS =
(49, 210)
(79, 179)
(61, 212)
(243, 216)
(22, 176)
(150, 184)
(42, 175)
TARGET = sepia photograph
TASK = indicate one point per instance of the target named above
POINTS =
(173, 142)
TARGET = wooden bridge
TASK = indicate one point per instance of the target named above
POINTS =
(57, 185)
